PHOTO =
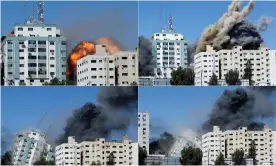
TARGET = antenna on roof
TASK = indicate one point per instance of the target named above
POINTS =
(40, 12)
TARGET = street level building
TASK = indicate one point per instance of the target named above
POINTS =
(143, 130)
(169, 51)
(29, 147)
(127, 67)
(97, 69)
(263, 64)
(95, 152)
(34, 53)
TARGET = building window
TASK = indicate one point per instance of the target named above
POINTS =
(21, 50)
(94, 77)
(52, 43)
(124, 74)
(93, 61)
(9, 50)
(31, 42)
(42, 42)
(111, 61)
(31, 49)
(20, 29)
(49, 29)
(42, 57)
(21, 65)
(63, 43)
(41, 49)
(93, 69)
(52, 58)
(30, 29)
(124, 57)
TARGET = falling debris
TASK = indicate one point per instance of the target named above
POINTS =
(232, 29)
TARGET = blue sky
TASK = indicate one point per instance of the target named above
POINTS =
(191, 18)
(81, 15)
(23, 108)
(175, 108)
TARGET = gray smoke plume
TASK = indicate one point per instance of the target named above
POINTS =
(146, 67)
(6, 139)
(116, 110)
(192, 52)
(162, 145)
(264, 21)
(112, 23)
(241, 107)
(218, 34)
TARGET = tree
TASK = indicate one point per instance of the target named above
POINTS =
(191, 156)
(142, 156)
(252, 152)
(213, 80)
(111, 159)
(232, 77)
(56, 81)
(182, 76)
(248, 72)
(220, 160)
(6, 159)
(238, 157)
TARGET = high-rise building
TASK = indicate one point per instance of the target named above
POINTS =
(97, 69)
(143, 130)
(169, 51)
(241, 139)
(68, 153)
(127, 67)
(263, 64)
(95, 152)
(274, 147)
(34, 53)
(31, 146)
(213, 143)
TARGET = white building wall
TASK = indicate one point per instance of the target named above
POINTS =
(212, 146)
(272, 65)
(68, 153)
(274, 147)
(205, 64)
(135, 154)
(97, 69)
(143, 130)
(127, 65)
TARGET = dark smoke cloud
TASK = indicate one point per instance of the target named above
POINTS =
(241, 107)
(243, 34)
(191, 52)
(6, 139)
(116, 110)
(162, 145)
(146, 67)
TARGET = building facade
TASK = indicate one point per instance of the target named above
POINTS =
(205, 65)
(31, 146)
(143, 130)
(127, 67)
(34, 54)
(97, 69)
(95, 152)
(68, 153)
(239, 139)
(169, 51)
(274, 147)
(263, 64)
(213, 143)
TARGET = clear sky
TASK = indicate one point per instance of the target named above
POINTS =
(89, 19)
(175, 108)
(23, 108)
(191, 18)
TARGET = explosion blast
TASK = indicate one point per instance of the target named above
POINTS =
(231, 29)
(116, 111)
(85, 48)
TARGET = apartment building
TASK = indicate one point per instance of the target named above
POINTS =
(127, 67)
(30, 146)
(213, 143)
(68, 153)
(205, 65)
(169, 51)
(241, 139)
(34, 53)
(97, 69)
(98, 151)
(274, 147)
(263, 64)
(143, 130)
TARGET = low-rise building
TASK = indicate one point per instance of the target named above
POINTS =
(96, 152)
(127, 67)
(143, 130)
(97, 69)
